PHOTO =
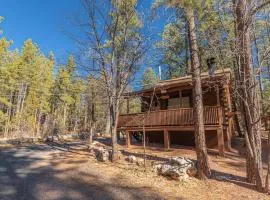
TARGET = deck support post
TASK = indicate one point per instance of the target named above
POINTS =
(220, 138)
(127, 138)
(229, 134)
(166, 139)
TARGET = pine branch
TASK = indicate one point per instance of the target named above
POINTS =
(258, 8)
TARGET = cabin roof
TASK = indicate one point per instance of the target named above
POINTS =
(221, 76)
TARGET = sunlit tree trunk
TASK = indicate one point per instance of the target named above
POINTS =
(267, 180)
(201, 151)
(249, 102)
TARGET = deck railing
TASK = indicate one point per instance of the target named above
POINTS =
(172, 117)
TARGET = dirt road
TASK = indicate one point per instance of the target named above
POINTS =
(45, 172)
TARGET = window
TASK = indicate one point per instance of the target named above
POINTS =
(174, 103)
(186, 99)
(186, 102)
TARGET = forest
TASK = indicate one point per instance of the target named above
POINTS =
(40, 97)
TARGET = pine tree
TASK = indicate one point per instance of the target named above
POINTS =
(174, 48)
(149, 78)
(189, 7)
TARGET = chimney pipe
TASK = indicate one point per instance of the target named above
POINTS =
(159, 73)
(211, 66)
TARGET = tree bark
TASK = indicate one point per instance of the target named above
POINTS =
(65, 115)
(247, 89)
(91, 111)
(90, 134)
(267, 180)
(114, 110)
(108, 123)
(9, 113)
(201, 151)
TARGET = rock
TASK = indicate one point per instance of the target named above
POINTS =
(131, 159)
(48, 139)
(181, 161)
(97, 144)
(177, 168)
(97, 134)
(156, 168)
(102, 155)
(119, 154)
(56, 138)
(140, 162)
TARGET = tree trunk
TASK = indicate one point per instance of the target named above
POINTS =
(75, 125)
(268, 37)
(19, 100)
(201, 151)
(108, 123)
(39, 114)
(9, 112)
(260, 77)
(114, 110)
(91, 134)
(144, 147)
(85, 119)
(187, 49)
(91, 111)
(267, 180)
(65, 116)
(249, 102)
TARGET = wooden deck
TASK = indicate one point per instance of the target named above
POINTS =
(172, 117)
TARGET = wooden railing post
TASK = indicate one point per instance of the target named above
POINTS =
(127, 138)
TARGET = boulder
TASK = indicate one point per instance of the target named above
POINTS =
(135, 160)
(178, 168)
(97, 135)
(181, 161)
(97, 144)
(140, 162)
(131, 159)
(101, 154)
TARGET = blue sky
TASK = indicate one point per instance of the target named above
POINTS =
(47, 22)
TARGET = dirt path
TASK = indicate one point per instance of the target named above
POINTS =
(37, 172)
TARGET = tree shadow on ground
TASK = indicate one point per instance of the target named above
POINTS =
(230, 178)
(70, 149)
(31, 172)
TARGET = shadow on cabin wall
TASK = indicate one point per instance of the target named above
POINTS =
(181, 138)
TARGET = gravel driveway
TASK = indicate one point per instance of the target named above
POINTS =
(36, 172)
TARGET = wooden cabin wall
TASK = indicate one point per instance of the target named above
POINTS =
(210, 98)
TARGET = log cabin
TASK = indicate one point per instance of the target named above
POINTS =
(167, 112)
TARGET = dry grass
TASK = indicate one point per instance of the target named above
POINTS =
(228, 176)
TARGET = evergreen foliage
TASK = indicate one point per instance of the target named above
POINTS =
(149, 78)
